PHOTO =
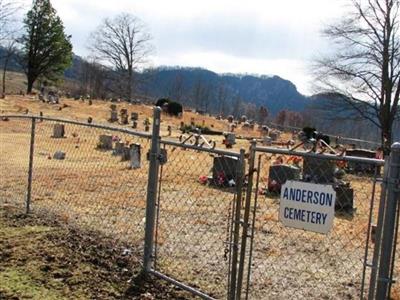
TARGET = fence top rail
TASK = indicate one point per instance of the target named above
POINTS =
(99, 126)
(193, 147)
(372, 161)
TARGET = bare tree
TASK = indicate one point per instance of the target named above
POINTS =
(124, 43)
(222, 98)
(10, 50)
(365, 66)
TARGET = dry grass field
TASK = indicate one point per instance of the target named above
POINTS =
(93, 189)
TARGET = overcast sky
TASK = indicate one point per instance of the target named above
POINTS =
(271, 37)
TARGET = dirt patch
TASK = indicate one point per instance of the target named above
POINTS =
(40, 259)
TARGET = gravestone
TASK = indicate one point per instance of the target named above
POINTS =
(135, 153)
(274, 135)
(224, 169)
(267, 141)
(124, 119)
(124, 116)
(230, 118)
(105, 142)
(344, 198)
(230, 140)
(134, 116)
(59, 155)
(126, 153)
(58, 131)
(318, 170)
(279, 174)
(134, 125)
(114, 116)
(118, 149)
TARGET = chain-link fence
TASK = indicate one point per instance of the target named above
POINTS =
(211, 221)
(91, 176)
(287, 262)
(15, 139)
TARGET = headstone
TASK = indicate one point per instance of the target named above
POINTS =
(318, 170)
(105, 142)
(267, 141)
(59, 155)
(126, 153)
(135, 153)
(224, 169)
(230, 118)
(118, 149)
(264, 130)
(230, 140)
(274, 135)
(134, 116)
(243, 118)
(58, 131)
(279, 174)
(134, 125)
(124, 116)
(344, 198)
(114, 116)
(124, 119)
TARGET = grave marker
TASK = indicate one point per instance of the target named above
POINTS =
(58, 131)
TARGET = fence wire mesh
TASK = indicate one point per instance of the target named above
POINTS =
(15, 136)
(84, 176)
(195, 211)
(289, 263)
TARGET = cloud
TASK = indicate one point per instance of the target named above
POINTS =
(255, 36)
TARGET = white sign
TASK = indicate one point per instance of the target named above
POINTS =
(307, 206)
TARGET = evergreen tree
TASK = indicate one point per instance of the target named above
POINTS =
(47, 50)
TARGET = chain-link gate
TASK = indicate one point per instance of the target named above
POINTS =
(284, 262)
(197, 218)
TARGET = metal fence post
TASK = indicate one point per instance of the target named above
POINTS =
(31, 151)
(152, 191)
(388, 230)
(236, 230)
(246, 219)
